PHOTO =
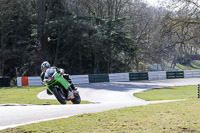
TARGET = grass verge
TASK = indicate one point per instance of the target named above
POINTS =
(182, 116)
(25, 95)
(194, 65)
(170, 93)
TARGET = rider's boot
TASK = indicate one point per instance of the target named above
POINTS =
(70, 95)
(73, 87)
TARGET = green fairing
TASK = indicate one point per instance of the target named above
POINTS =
(57, 78)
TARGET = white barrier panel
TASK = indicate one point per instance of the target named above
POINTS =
(114, 77)
(158, 75)
(192, 74)
(19, 81)
(79, 79)
(34, 81)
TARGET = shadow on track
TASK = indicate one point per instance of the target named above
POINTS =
(121, 86)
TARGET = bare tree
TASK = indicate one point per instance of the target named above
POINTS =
(182, 28)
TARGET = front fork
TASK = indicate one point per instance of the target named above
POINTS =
(68, 93)
(57, 86)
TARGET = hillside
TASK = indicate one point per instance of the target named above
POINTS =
(194, 65)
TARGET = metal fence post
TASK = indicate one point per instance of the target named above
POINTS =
(198, 90)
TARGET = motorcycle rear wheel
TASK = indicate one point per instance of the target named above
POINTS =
(59, 94)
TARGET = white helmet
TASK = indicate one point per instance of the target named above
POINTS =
(45, 65)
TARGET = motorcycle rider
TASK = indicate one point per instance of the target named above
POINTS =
(45, 65)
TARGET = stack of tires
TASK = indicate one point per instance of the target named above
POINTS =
(4, 81)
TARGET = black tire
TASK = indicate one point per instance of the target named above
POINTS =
(48, 92)
(60, 96)
(77, 99)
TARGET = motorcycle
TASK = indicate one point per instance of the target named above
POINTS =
(60, 87)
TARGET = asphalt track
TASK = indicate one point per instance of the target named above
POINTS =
(106, 96)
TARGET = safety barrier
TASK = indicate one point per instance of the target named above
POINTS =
(138, 76)
(115, 77)
(175, 74)
(95, 78)
(192, 74)
(29, 81)
(157, 75)
(80, 79)
(36, 81)
(4, 81)
(198, 90)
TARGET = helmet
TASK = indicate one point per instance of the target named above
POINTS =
(45, 65)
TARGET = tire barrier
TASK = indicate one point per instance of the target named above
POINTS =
(36, 81)
(115, 77)
(175, 74)
(4, 81)
(158, 75)
(191, 74)
(95, 78)
(138, 76)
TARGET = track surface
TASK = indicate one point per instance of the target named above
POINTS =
(106, 96)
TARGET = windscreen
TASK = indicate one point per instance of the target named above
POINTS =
(49, 73)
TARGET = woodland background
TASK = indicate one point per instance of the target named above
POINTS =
(96, 36)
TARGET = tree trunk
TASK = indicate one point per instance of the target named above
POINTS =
(2, 61)
(80, 60)
(41, 22)
(109, 58)
(96, 61)
(57, 50)
(137, 64)
(40, 34)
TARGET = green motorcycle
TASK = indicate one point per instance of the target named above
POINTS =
(60, 87)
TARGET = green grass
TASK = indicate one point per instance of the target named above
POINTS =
(194, 65)
(155, 118)
(169, 93)
(25, 95)
(182, 116)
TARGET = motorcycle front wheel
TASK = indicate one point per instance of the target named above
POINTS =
(60, 95)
